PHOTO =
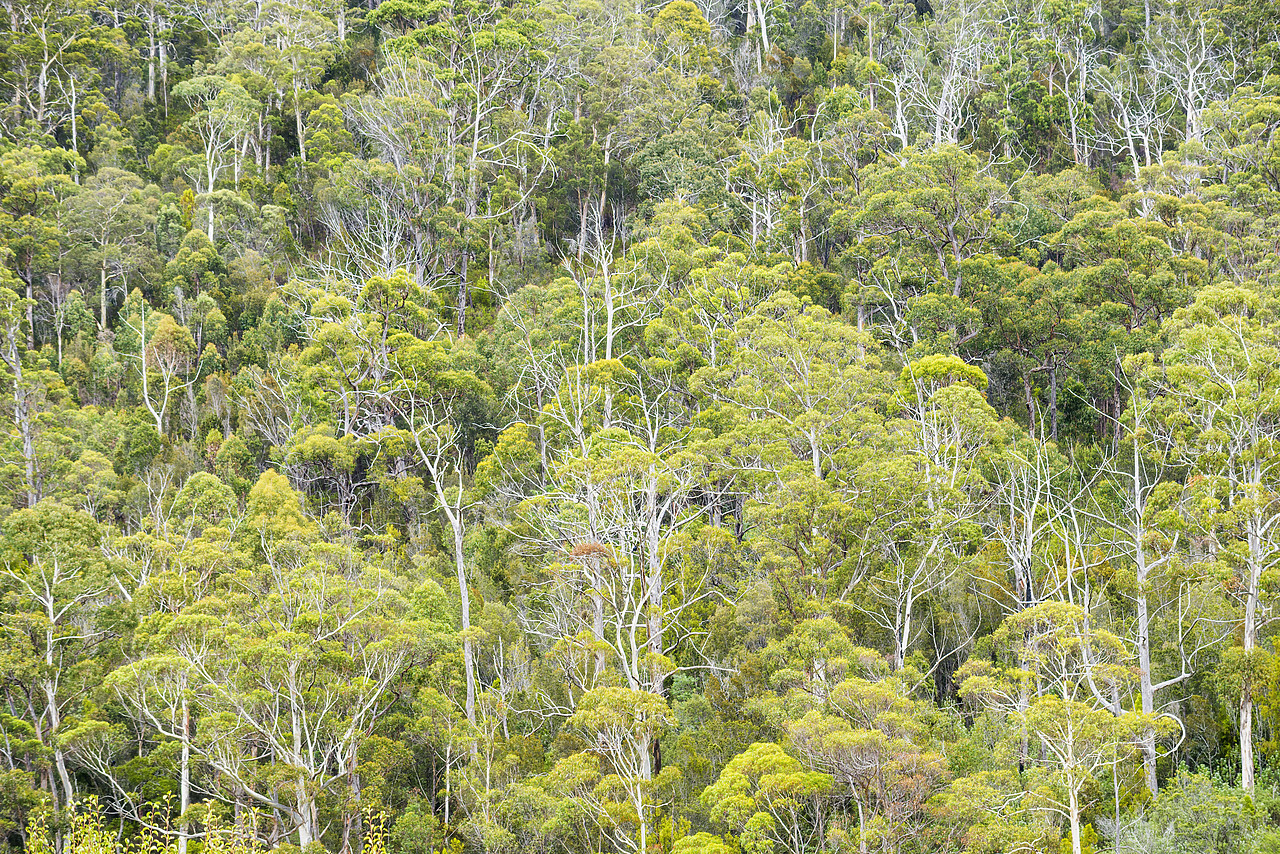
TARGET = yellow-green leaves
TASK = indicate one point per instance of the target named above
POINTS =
(273, 513)
(767, 799)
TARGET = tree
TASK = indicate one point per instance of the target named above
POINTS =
(620, 512)
(767, 799)
(1140, 114)
(1032, 322)
(1059, 685)
(685, 32)
(1184, 52)
(300, 662)
(430, 392)
(926, 500)
(940, 202)
(47, 36)
(35, 181)
(798, 375)
(1225, 393)
(25, 393)
(620, 726)
(221, 114)
(57, 581)
(464, 94)
(166, 356)
(1140, 516)
(113, 212)
(303, 33)
(156, 692)
(942, 64)
(871, 738)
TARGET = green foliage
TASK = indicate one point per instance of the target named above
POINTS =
(560, 426)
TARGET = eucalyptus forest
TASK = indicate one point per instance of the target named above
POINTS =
(639, 427)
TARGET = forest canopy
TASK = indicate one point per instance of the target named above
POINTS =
(606, 427)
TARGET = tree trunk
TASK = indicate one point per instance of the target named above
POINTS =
(1250, 643)
(55, 716)
(22, 415)
(297, 116)
(184, 783)
(1073, 797)
(764, 29)
(1053, 403)
(1145, 686)
(31, 305)
(151, 59)
(308, 830)
(1029, 391)
(102, 295)
(463, 296)
(454, 517)
(654, 583)
(1141, 571)
(164, 69)
(582, 225)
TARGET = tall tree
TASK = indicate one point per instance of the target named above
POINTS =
(1222, 381)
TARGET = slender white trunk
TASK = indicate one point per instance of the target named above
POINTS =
(297, 115)
(764, 27)
(184, 782)
(1074, 808)
(1250, 643)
